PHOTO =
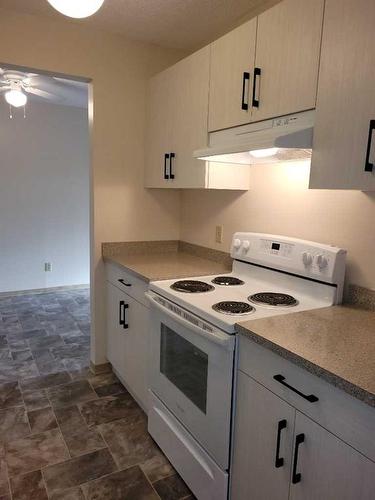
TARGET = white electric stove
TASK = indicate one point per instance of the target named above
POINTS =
(193, 344)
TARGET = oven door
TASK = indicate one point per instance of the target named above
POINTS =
(192, 374)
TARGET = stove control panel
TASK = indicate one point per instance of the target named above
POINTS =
(280, 248)
(305, 258)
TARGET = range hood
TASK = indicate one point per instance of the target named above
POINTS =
(286, 138)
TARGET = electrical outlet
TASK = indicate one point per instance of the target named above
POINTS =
(219, 234)
(47, 267)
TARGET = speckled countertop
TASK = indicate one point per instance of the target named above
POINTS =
(152, 261)
(335, 343)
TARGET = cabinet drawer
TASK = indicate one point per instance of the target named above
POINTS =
(127, 282)
(346, 417)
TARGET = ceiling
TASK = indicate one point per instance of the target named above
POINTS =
(178, 24)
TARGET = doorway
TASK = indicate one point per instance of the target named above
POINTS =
(44, 222)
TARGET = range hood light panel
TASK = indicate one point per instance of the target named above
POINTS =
(264, 153)
(286, 138)
(261, 156)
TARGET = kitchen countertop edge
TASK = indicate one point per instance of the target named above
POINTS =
(330, 377)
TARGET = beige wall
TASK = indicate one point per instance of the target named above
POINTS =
(279, 202)
(122, 209)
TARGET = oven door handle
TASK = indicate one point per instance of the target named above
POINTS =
(222, 339)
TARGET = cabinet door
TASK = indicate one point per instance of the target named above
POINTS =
(136, 351)
(257, 431)
(116, 334)
(158, 130)
(189, 96)
(329, 468)
(346, 97)
(231, 57)
(287, 53)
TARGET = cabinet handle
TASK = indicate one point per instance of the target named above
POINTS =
(368, 165)
(296, 476)
(125, 324)
(171, 157)
(245, 82)
(257, 73)
(166, 157)
(279, 461)
(311, 398)
(124, 282)
(121, 313)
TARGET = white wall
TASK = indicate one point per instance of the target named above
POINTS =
(44, 196)
(279, 202)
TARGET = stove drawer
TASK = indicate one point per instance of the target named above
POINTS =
(203, 476)
(346, 417)
(127, 282)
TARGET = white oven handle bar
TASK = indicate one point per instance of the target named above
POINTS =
(216, 337)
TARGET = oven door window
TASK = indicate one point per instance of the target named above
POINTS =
(185, 366)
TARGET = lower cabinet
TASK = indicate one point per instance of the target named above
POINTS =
(329, 468)
(263, 436)
(279, 453)
(127, 341)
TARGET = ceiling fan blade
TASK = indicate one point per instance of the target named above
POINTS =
(35, 80)
(3, 89)
(72, 83)
(43, 93)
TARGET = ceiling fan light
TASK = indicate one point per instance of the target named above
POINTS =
(15, 98)
(76, 8)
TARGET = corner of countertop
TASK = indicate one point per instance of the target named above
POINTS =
(360, 296)
(206, 253)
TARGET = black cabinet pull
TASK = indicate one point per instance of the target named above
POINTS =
(124, 282)
(166, 157)
(125, 324)
(368, 165)
(296, 476)
(255, 101)
(121, 313)
(171, 157)
(245, 78)
(279, 461)
(281, 379)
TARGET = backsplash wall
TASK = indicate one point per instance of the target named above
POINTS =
(280, 202)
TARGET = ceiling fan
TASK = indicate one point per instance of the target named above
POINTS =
(17, 84)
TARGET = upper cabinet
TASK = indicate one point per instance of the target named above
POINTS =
(231, 76)
(177, 123)
(285, 61)
(267, 67)
(344, 149)
(287, 58)
(159, 127)
(177, 111)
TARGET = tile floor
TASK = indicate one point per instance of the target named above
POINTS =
(66, 434)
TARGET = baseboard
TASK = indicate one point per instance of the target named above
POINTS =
(44, 290)
(99, 369)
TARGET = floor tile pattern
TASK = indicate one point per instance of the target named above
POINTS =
(66, 434)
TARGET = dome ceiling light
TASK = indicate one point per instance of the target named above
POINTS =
(76, 8)
(15, 98)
